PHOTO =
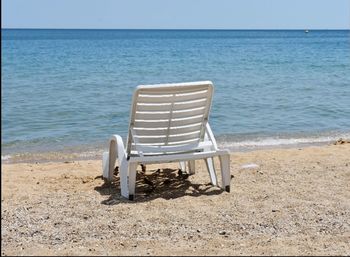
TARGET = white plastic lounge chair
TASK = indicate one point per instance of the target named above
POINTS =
(168, 123)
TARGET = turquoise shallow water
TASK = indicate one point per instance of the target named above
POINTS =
(71, 89)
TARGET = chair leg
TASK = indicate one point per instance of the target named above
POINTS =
(116, 151)
(210, 166)
(113, 155)
(123, 173)
(109, 160)
(132, 180)
(128, 180)
(225, 171)
(183, 166)
(105, 166)
(191, 167)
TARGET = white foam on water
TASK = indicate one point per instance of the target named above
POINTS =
(276, 141)
(5, 157)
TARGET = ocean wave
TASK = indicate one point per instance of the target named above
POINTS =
(268, 142)
(5, 157)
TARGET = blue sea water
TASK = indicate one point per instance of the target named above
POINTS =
(71, 89)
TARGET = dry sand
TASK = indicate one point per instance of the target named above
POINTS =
(295, 203)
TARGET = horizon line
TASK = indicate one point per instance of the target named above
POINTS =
(182, 28)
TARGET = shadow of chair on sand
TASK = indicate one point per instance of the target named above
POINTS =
(153, 184)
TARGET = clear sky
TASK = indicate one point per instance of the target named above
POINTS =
(177, 14)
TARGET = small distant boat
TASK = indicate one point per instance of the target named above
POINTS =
(306, 31)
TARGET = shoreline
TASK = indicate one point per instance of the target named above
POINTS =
(294, 202)
(71, 154)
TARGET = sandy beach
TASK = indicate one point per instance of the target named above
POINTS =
(296, 202)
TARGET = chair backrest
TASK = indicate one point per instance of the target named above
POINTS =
(169, 118)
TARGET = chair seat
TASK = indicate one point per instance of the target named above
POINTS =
(164, 158)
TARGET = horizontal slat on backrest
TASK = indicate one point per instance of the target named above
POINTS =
(188, 113)
(153, 107)
(166, 97)
(189, 105)
(149, 90)
(164, 131)
(148, 124)
(152, 115)
(165, 123)
(152, 140)
(167, 115)
(176, 98)
(164, 139)
(187, 121)
(187, 141)
(155, 99)
(185, 129)
(150, 132)
(191, 96)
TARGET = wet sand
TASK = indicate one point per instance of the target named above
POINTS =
(296, 202)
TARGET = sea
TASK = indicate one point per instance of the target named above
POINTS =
(67, 91)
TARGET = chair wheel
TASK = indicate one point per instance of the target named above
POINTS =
(227, 189)
(131, 197)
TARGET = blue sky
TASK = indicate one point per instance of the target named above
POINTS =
(177, 14)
